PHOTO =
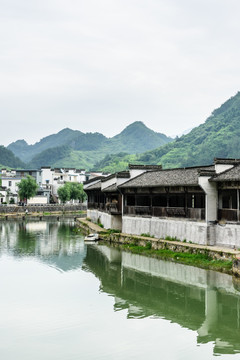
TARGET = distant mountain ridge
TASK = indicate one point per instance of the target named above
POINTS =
(218, 137)
(8, 159)
(81, 148)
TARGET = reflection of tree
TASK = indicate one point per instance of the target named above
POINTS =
(26, 241)
(55, 243)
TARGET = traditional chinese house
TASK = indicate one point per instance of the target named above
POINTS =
(197, 204)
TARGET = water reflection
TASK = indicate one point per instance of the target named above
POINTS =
(204, 301)
(54, 243)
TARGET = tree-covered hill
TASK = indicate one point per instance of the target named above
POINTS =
(8, 159)
(49, 157)
(137, 137)
(72, 148)
(27, 152)
(219, 136)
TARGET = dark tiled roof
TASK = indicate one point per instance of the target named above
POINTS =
(93, 180)
(95, 186)
(232, 174)
(145, 167)
(111, 188)
(121, 174)
(171, 177)
(226, 161)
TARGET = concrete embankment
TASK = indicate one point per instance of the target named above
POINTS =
(214, 252)
(13, 212)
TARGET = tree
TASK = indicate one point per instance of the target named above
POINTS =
(76, 191)
(64, 193)
(27, 188)
(71, 191)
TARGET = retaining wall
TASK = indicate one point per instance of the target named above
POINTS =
(11, 209)
(107, 220)
(197, 232)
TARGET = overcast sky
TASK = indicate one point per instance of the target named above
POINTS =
(99, 65)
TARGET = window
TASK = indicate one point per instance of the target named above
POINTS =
(130, 200)
(160, 200)
(143, 201)
(9, 183)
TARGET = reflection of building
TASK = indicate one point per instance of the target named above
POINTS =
(51, 242)
(199, 204)
(200, 300)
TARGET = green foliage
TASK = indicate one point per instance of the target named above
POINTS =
(8, 159)
(148, 245)
(49, 157)
(64, 193)
(71, 191)
(217, 137)
(114, 162)
(27, 188)
(147, 235)
(73, 148)
(187, 258)
(76, 191)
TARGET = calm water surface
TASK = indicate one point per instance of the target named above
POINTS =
(62, 299)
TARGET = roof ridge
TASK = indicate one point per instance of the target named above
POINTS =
(225, 171)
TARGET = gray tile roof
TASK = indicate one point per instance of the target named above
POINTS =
(145, 167)
(232, 174)
(226, 161)
(111, 188)
(171, 177)
(95, 186)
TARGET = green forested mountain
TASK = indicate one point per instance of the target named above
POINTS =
(27, 152)
(7, 159)
(219, 136)
(136, 137)
(74, 148)
(49, 156)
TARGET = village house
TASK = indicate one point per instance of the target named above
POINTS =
(105, 201)
(197, 204)
(47, 179)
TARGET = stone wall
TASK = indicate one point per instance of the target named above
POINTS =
(13, 209)
(226, 235)
(197, 232)
(107, 220)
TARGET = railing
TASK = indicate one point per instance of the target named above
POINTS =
(110, 208)
(228, 215)
(197, 214)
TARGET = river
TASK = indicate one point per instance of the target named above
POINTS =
(65, 300)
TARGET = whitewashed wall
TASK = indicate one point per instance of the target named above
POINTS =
(160, 228)
(108, 221)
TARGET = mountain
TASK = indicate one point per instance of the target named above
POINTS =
(72, 148)
(137, 137)
(8, 159)
(217, 137)
(27, 152)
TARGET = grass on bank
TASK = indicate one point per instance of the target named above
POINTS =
(198, 259)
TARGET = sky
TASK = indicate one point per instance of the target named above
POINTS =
(99, 65)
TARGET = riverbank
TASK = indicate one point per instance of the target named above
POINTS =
(207, 257)
(40, 215)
